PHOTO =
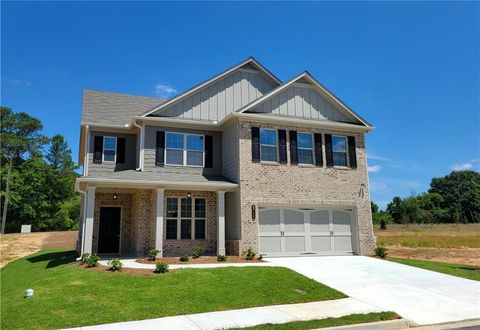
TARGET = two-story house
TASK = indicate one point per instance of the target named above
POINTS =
(241, 160)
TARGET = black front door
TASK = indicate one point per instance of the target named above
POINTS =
(109, 231)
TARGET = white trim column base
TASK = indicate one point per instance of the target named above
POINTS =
(88, 239)
(159, 223)
(221, 223)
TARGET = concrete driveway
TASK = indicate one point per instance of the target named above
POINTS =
(420, 296)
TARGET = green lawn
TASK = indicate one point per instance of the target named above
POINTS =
(328, 322)
(470, 272)
(67, 296)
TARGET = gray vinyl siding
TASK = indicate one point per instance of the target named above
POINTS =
(232, 215)
(216, 101)
(149, 153)
(230, 152)
(303, 102)
(109, 167)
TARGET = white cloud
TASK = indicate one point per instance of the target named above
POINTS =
(377, 157)
(374, 169)
(378, 187)
(465, 166)
(18, 82)
(165, 90)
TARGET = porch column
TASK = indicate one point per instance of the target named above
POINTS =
(159, 223)
(81, 229)
(87, 246)
(221, 222)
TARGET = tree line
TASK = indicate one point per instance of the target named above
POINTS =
(37, 176)
(454, 198)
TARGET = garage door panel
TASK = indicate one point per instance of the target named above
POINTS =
(320, 222)
(342, 243)
(320, 243)
(341, 222)
(295, 244)
(270, 244)
(269, 221)
(293, 221)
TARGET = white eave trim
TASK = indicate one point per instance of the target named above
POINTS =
(210, 81)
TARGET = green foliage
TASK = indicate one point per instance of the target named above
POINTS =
(381, 251)
(184, 258)
(260, 257)
(161, 267)
(221, 258)
(249, 254)
(383, 224)
(115, 265)
(152, 254)
(197, 252)
(89, 259)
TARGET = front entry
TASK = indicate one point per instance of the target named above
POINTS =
(305, 231)
(109, 230)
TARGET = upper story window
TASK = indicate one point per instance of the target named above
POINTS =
(305, 148)
(268, 145)
(339, 147)
(185, 149)
(109, 148)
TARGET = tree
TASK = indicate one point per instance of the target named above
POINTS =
(59, 155)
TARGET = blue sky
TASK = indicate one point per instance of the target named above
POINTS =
(411, 69)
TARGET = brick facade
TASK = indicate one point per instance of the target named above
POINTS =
(293, 184)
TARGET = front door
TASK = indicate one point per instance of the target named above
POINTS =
(109, 230)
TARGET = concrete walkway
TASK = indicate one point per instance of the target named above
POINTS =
(248, 317)
(421, 296)
(131, 263)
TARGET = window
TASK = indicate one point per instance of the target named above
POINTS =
(189, 223)
(339, 146)
(109, 148)
(305, 148)
(268, 145)
(185, 149)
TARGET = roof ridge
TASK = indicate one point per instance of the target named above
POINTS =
(123, 94)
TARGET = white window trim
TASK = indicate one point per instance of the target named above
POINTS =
(184, 150)
(312, 149)
(269, 145)
(179, 218)
(347, 160)
(115, 150)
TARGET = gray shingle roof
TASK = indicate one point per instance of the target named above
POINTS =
(113, 108)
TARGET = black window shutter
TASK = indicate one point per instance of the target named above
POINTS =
(282, 145)
(121, 150)
(293, 147)
(352, 152)
(98, 149)
(329, 150)
(255, 144)
(159, 149)
(208, 151)
(318, 149)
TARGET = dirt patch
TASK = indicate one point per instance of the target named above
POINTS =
(201, 260)
(125, 271)
(463, 256)
(14, 246)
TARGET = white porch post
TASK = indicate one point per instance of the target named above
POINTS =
(159, 223)
(221, 223)
(87, 246)
(81, 229)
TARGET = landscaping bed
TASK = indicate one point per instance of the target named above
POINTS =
(200, 260)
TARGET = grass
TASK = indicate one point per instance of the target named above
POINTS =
(328, 322)
(470, 272)
(68, 296)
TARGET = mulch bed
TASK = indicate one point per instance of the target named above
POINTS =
(201, 260)
(125, 271)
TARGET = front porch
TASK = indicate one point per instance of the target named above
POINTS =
(131, 221)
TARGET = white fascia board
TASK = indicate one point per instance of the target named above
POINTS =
(210, 186)
(219, 76)
(178, 122)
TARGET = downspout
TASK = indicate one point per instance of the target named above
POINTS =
(142, 144)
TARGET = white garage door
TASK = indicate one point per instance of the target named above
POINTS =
(302, 231)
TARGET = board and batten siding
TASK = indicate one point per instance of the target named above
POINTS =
(149, 153)
(110, 167)
(304, 102)
(216, 101)
(232, 215)
(230, 152)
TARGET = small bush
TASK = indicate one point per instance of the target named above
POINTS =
(249, 254)
(184, 258)
(260, 257)
(89, 260)
(381, 251)
(197, 252)
(161, 267)
(383, 224)
(221, 258)
(115, 265)
(152, 254)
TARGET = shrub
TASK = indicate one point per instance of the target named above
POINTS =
(152, 254)
(184, 258)
(115, 264)
(221, 258)
(381, 251)
(260, 257)
(160, 268)
(197, 252)
(249, 254)
(89, 259)
(383, 224)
